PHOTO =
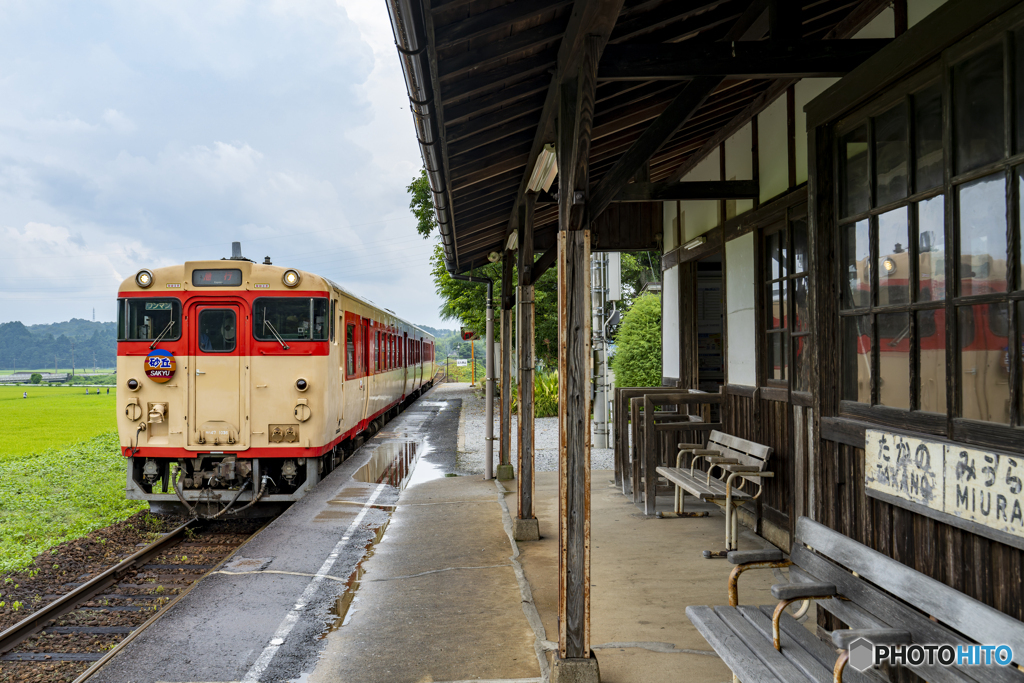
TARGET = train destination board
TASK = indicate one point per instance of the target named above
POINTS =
(976, 486)
(217, 277)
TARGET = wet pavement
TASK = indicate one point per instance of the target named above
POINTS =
(264, 616)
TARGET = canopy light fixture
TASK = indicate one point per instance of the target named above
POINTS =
(513, 241)
(144, 278)
(494, 257)
(544, 171)
(695, 242)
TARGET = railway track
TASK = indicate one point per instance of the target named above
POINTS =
(78, 631)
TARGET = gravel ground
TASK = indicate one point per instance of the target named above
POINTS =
(471, 451)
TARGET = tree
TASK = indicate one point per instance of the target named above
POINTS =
(422, 204)
(36, 378)
(637, 359)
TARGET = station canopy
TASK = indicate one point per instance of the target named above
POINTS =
(675, 79)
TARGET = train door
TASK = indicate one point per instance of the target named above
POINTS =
(368, 355)
(217, 398)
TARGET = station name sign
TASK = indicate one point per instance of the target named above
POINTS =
(970, 485)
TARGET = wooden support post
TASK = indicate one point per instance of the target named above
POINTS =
(505, 470)
(525, 526)
(575, 123)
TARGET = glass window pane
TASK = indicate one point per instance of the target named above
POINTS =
(1020, 349)
(853, 155)
(931, 250)
(149, 319)
(983, 236)
(1020, 221)
(801, 312)
(856, 358)
(777, 355)
(978, 109)
(894, 360)
(289, 319)
(1019, 89)
(776, 318)
(217, 332)
(931, 359)
(801, 252)
(893, 257)
(984, 362)
(802, 363)
(350, 350)
(928, 138)
(775, 255)
(891, 156)
(855, 255)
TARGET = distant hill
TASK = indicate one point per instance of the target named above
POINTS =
(38, 347)
(436, 332)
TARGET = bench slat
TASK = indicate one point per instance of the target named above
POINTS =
(765, 651)
(794, 633)
(697, 485)
(736, 655)
(971, 617)
(794, 651)
(897, 615)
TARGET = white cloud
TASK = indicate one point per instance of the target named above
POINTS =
(141, 134)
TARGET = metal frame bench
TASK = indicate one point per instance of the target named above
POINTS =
(884, 601)
(741, 461)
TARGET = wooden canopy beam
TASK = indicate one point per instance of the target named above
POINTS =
(746, 59)
(494, 20)
(704, 189)
(541, 266)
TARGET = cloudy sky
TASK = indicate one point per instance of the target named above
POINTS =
(138, 134)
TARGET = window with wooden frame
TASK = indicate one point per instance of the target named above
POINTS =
(929, 218)
(787, 333)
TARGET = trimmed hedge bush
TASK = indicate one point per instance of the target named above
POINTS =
(637, 359)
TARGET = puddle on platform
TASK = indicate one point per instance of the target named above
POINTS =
(341, 612)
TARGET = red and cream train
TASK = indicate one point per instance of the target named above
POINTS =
(241, 382)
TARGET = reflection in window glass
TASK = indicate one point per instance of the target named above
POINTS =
(931, 250)
(217, 333)
(894, 360)
(978, 109)
(931, 359)
(777, 356)
(1020, 216)
(1018, 37)
(853, 189)
(893, 257)
(856, 350)
(773, 256)
(928, 138)
(982, 236)
(290, 319)
(802, 363)
(856, 264)
(984, 363)
(891, 156)
(801, 313)
(801, 253)
(777, 305)
(1020, 349)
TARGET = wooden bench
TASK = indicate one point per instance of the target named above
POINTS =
(884, 601)
(738, 459)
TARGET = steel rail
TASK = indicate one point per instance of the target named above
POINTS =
(72, 600)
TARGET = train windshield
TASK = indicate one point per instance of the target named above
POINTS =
(290, 319)
(148, 319)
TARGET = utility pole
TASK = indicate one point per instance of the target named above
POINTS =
(72, 357)
(600, 356)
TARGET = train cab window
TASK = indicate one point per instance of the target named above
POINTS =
(290, 319)
(350, 350)
(217, 330)
(148, 319)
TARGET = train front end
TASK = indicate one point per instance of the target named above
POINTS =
(219, 405)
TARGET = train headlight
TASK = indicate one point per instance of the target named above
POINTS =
(889, 265)
(144, 278)
(133, 384)
(291, 278)
(301, 384)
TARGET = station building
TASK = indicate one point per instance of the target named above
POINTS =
(835, 187)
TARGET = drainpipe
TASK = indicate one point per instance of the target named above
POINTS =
(488, 371)
(409, 27)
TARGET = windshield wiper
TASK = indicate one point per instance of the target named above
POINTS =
(266, 324)
(161, 335)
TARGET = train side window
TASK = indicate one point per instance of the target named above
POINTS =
(350, 350)
(376, 354)
(334, 316)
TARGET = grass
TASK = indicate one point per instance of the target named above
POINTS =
(51, 417)
(60, 494)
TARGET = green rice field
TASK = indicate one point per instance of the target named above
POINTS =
(61, 474)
